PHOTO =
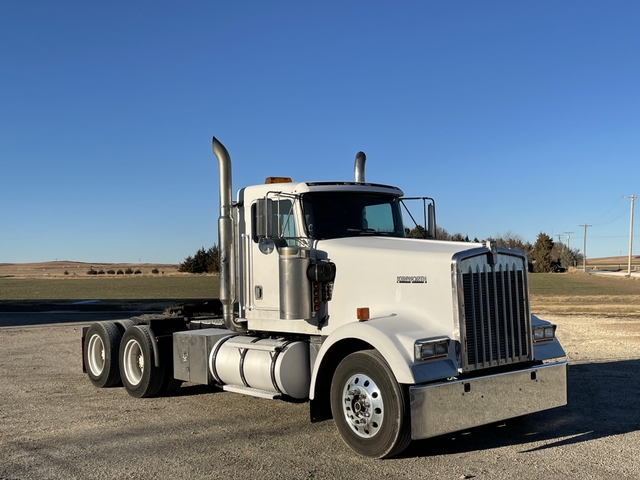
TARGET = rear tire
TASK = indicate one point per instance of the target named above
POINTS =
(369, 407)
(140, 377)
(101, 348)
(124, 325)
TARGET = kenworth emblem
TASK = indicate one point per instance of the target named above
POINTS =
(412, 279)
(492, 246)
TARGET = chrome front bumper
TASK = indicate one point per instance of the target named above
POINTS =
(448, 407)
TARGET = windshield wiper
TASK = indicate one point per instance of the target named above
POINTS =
(367, 231)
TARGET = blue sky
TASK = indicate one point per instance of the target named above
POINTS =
(514, 116)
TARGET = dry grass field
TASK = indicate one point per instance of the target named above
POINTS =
(48, 281)
(584, 294)
(80, 269)
(612, 263)
(105, 288)
(574, 293)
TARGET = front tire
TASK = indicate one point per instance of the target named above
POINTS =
(140, 377)
(369, 407)
(101, 347)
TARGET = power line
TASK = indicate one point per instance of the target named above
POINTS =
(608, 211)
(614, 219)
(614, 236)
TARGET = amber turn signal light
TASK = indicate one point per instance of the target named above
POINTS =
(363, 314)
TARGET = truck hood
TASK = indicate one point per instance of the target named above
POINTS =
(394, 277)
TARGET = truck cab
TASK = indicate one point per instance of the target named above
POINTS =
(284, 223)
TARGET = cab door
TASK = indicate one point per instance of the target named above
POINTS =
(264, 289)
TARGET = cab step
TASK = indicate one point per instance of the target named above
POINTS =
(254, 392)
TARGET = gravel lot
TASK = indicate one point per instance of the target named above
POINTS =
(55, 424)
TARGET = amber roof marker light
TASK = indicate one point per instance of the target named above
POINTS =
(270, 180)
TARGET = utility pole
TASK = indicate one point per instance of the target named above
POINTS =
(633, 200)
(568, 240)
(559, 237)
(584, 249)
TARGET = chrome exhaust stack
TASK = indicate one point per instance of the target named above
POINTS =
(359, 167)
(225, 239)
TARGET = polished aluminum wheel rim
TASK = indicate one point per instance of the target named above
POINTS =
(363, 406)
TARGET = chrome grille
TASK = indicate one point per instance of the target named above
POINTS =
(495, 319)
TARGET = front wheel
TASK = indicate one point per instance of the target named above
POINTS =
(140, 377)
(369, 406)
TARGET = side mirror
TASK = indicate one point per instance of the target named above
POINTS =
(431, 220)
(264, 215)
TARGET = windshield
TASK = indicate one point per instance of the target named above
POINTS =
(344, 214)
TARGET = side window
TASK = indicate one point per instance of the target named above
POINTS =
(282, 220)
(283, 217)
(378, 218)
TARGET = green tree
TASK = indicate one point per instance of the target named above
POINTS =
(567, 258)
(204, 261)
(441, 234)
(187, 265)
(200, 261)
(418, 232)
(213, 259)
(458, 237)
(541, 254)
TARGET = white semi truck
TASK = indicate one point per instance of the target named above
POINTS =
(324, 298)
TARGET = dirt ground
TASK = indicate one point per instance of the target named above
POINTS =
(55, 424)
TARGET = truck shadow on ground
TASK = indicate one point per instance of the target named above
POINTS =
(602, 401)
(189, 390)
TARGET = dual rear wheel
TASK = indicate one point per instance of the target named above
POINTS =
(112, 356)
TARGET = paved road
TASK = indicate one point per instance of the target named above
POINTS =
(625, 273)
(23, 313)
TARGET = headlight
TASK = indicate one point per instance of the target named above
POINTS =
(428, 349)
(544, 333)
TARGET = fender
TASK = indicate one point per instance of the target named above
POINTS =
(394, 337)
(546, 350)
